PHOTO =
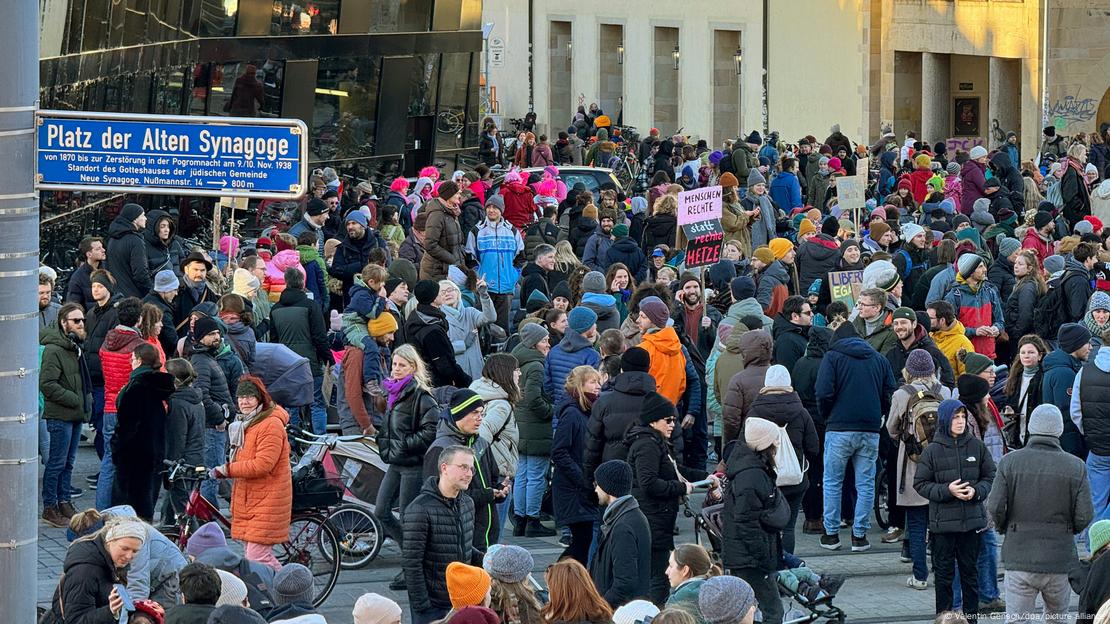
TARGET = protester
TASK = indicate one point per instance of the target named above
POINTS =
(620, 566)
(571, 493)
(139, 441)
(93, 566)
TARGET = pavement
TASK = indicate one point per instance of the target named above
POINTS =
(874, 593)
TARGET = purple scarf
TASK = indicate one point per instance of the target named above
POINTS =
(394, 388)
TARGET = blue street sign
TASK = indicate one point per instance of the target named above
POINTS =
(164, 154)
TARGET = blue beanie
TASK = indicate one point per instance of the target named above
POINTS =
(581, 319)
(357, 217)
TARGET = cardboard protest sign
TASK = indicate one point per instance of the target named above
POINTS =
(704, 240)
(845, 286)
(700, 204)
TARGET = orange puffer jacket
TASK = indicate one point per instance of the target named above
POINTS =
(115, 360)
(262, 491)
(668, 365)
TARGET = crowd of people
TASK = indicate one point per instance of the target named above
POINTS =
(537, 359)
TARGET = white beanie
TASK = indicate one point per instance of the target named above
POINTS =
(777, 377)
(978, 152)
(760, 434)
(910, 230)
(233, 591)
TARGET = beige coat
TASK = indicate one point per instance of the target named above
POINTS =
(907, 468)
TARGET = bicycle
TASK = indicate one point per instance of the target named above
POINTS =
(312, 542)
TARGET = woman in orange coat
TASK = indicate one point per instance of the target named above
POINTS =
(262, 492)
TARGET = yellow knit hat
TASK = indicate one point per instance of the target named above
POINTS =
(384, 324)
(780, 247)
(466, 585)
(806, 227)
(764, 255)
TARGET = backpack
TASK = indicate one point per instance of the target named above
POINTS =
(921, 421)
(910, 266)
(790, 470)
(1055, 196)
(258, 593)
(1050, 311)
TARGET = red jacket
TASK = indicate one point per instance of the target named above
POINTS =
(115, 360)
(919, 184)
(520, 210)
(1033, 241)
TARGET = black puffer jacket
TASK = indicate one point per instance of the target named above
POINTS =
(580, 233)
(655, 483)
(426, 329)
(659, 229)
(626, 251)
(1001, 274)
(162, 255)
(481, 486)
(127, 259)
(298, 323)
(755, 512)
(438, 531)
(816, 258)
(409, 428)
(212, 386)
(614, 413)
(947, 459)
(98, 322)
(89, 577)
(1007, 173)
(1018, 311)
(185, 427)
(785, 409)
(790, 342)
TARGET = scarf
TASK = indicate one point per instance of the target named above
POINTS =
(1093, 326)
(394, 388)
(1031, 371)
(237, 430)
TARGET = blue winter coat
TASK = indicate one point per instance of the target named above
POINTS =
(573, 350)
(572, 494)
(786, 191)
(1060, 369)
(854, 385)
(496, 245)
(626, 251)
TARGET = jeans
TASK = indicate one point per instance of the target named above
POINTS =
(215, 454)
(64, 438)
(766, 593)
(319, 407)
(107, 467)
(895, 512)
(530, 484)
(862, 449)
(1021, 595)
(987, 569)
(44, 441)
(950, 550)
(502, 509)
(1098, 475)
(97, 420)
(401, 484)
(917, 521)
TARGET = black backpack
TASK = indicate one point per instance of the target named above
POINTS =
(258, 593)
(1050, 311)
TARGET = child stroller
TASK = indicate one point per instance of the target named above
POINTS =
(708, 521)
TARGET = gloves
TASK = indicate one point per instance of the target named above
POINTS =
(219, 472)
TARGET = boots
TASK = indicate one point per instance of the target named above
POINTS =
(535, 529)
(55, 518)
(519, 525)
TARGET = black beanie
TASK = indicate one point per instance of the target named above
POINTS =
(426, 291)
(655, 407)
(635, 359)
(972, 388)
(131, 211)
(463, 402)
(614, 477)
(742, 288)
(830, 226)
(391, 285)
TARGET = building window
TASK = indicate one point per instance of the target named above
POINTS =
(305, 17)
(345, 113)
(400, 15)
(665, 80)
(451, 118)
(239, 89)
(218, 17)
(611, 69)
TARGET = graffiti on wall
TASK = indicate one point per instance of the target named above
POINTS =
(1071, 109)
(963, 143)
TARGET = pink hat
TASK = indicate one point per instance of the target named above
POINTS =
(429, 172)
(399, 185)
(551, 170)
(512, 176)
(546, 187)
(229, 246)
(834, 163)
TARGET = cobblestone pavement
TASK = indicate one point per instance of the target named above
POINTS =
(874, 593)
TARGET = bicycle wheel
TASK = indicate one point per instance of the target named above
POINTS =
(313, 544)
(360, 535)
(882, 512)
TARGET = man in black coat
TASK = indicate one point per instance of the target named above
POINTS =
(426, 329)
(623, 556)
(79, 289)
(1009, 177)
(791, 331)
(298, 323)
(536, 274)
(354, 252)
(193, 289)
(165, 290)
(911, 335)
(692, 308)
(617, 409)
(439, 530)
(127, 252)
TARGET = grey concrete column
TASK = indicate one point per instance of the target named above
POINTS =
(936, 100)
(1004, 101)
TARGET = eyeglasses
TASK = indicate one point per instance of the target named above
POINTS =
(669, 420)
(464, 467)
(79, 321)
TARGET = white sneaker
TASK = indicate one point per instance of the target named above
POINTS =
(913, 583)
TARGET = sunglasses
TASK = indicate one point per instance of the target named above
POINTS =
(670, 420)
(79, 321)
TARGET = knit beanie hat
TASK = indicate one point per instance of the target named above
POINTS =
(967, 264)
(165, 281)
(131, 211)
(904, 313)
(764, 255)
(1098, 535)
(1053, 264)
(635, 612)
(248, 388)
(1083, 227)
(755, 177)
(727, 180)
(777, 377)
(759, 433)
(953, 168)
(727, 599)
(919, 364)
(655, 407)
(426, 291)
(978, 152)
(620, 230)
(805, 227)
(910, 230)
(614, 477)
(391, 285)
(1041, 219)
(1008, 246)
(375, 609)
(466, 585)
(1072, 336)
(509, 563)
(384, 324)
(742, 288)
(125, 528)
(293, 583)
(463, 402)
(780, 247)
(878, 230)
(1046, 420)
(974, 363)
(203, 326)
(593, 282)
(475, 615)
(233, 591)
(1099, 301)
(657, 311)
(636, 359)
(234, 614)
(104, 280)
(881, 274)
(972, 388)
(590, 212)
(208, 535)
(531, 335)
(830, 226)
(581, 319)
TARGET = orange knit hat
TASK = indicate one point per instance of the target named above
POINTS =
(466, 585)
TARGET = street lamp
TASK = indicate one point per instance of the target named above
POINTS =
(674, 55)
(570, 47)
(620, 53)
(738, 56)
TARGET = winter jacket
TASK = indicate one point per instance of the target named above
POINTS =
(950, 341)
(533, 410)
(790, 342)
(1040, 530)
(189, 298)
(534, 277)
(88, 576)
(1001, 274)
(262, 495)
(605, 306)
(495, 246)
(899, 353)
(212, 385)
(655, 482)
(596, 250)
(1076, 282)
(883, 338)
(411, 250)
(755, 513)
(1060, 369)
(63, 379)
(409, 427)
(443, 241)
(786, 191)
(900, 420)
(126, 259)
(350, 258)
(542, 232)
(817, 257)
(743, 159)
(315, 277)
(463, 324)
(115, 361)
(572, 492)
(735, 223)
(659, 229)
(744, 386)
(427, 330)
(773, 276)
(438, 531)
(804, 376)
(726, 360)
(1073, 189)
(185, 426)
(1100, 201)
(785, 409)
(580, 233)
(763, 228)
(745, 307)
(189, 613)
(979, 308)
(486, 477)
(973, 183)
(243, 342)
(498, 426)
(573, 350)
(621, 566)
(613, 414)
(627, 252)
(854, 385)
(1005, 169)
(520, 210)
(1019, 309)
(706, 336)
(168, 336)
(685, 598)
(161, 255)
(668, 363)
(139, 442)
(298, 324)
(99, 320)
(947, 459)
